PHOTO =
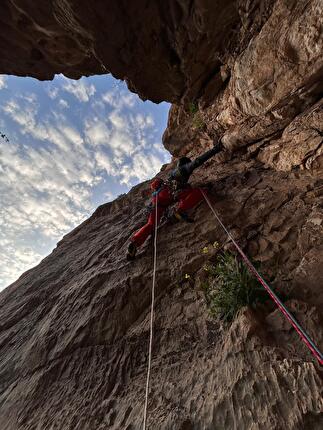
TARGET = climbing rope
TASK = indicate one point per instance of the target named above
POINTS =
(151, 318)
(302, 333)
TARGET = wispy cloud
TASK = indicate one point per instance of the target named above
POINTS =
(15, 260)
(96, 131)
(118, 98)
(80, 89)
(3, 82)
(52, 91)
(44, 190)
(120, 144)
(63, 103)
(65, 160)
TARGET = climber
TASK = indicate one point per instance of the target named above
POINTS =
(186, 196)
(176, 189)
(162, 195)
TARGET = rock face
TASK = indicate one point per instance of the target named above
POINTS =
(165, 49)
(74, 330)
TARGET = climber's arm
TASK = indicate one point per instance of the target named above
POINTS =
(203, 158)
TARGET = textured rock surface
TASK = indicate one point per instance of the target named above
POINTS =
(74, 330)
(165, 49)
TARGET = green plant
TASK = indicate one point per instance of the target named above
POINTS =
(193, 108)
(230, 286)
(198, 122)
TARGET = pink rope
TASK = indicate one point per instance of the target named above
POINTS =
(301, 332)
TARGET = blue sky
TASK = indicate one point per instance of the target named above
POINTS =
(73, 145)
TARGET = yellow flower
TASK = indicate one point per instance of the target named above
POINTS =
(205, 250)
(215, 244)
(187, 276)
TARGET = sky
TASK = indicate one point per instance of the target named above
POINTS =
(73, 145)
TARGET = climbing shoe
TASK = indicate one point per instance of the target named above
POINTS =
(132, 250)
(182, 216)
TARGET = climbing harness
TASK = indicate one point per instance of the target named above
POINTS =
(302, 333)
(151, 318)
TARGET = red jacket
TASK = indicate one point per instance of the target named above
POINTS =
(163, 197)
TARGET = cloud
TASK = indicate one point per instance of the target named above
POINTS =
(96, 132)
(109, 196)
(117, 120)
(114, 132)
(3, 82)
(142, 167)
(118, 98)
(63, 103)
(52, 92)
(105, 162)
(80, 89)
(58, 160)
(29, 98)
(143, 121)
(54, 179)
(98, 104)
(13, 109)
(121, 141)
(15, 260)
(45, 190)
(24, 112)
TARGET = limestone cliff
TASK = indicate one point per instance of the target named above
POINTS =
(74, 330)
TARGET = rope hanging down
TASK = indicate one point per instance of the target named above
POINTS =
(302, 333)
(151, 318)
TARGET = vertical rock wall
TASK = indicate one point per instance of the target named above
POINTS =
(74, 330)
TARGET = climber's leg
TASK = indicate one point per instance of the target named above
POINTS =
(141, 235)
(189, 198)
